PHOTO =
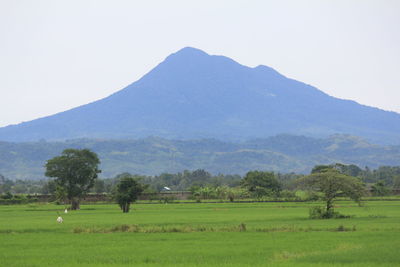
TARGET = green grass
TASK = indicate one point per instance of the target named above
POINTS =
(205, 234)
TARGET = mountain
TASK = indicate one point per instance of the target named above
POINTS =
(152, 156)
(193, 95)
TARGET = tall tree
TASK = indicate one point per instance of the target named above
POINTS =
(5, 184)
(127, 191)
(331, 183)
(75, 172)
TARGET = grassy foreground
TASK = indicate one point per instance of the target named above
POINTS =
(223, 234)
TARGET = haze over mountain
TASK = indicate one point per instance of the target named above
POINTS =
(193, 95)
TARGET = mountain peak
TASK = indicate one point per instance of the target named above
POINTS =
(192, 94)
(188, 52)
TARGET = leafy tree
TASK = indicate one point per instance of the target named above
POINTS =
(7, 195)
(127, 191)
(261, 183)
(331, 183)
(5, 184)
(99, 186)
(75, 172)
(49, 187)
(321, 168)
(396, 182)
(352, 170)
(20, 188)
(207, 192)
(385, 173)
(380, 189)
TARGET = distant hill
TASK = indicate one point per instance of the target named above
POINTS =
(193, 95)
(152, 156)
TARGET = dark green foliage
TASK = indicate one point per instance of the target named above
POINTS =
(9, 199)
(384, 176)
(127, 191)
(383, 173)
(261, 183)
(49, 187)
(5, 184)
(99, 186)
(322, 213)
(320, 168)
(187, 179)
(75, 172)
(7, 195)
(396, 182)
(318, 213)
(351, 170)
(287, 180)
(380, 189)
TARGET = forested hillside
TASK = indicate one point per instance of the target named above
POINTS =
(152, 156)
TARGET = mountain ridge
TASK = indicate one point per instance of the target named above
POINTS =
(155, 155)
(192, 95)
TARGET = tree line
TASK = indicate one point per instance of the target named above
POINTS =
(74, 174)
(382, 179)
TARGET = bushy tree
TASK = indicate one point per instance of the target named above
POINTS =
(380, 189)
(49, 187)
(261, 183)
(75, 172)
(127, 191)
(332, 184)
(99, 186)
(396, 182)
(5, 184)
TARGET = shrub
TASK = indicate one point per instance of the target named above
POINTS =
(322, 213)
(316, 212)
(231, 196)
(7, 195)
(167, 199)
(287, 194)
(342, 228)
(78, 230)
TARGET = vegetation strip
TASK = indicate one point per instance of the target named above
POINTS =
(133, 228)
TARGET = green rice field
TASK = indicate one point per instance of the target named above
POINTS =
(200, 234)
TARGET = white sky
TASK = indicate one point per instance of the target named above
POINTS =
(56, 55)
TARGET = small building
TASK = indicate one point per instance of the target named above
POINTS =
(165, 188)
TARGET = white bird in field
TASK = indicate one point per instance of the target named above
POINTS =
(65, 211)
(60, 219)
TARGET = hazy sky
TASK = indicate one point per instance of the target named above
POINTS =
(56, 55)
